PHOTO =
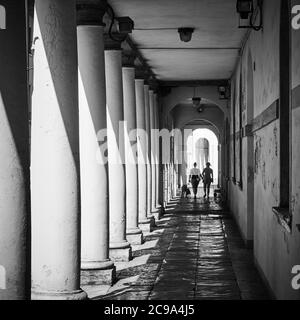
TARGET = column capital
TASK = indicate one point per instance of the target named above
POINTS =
(128, 59)
(153, 84)
(91, 12)
(141, 72)
(114, 43)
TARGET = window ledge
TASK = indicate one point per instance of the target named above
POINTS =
(284, 218)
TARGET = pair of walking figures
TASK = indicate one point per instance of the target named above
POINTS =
(206, 176)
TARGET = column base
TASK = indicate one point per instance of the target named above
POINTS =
(156, 213)
(135, 237)
(59, 295)
(147, 225)
(97, 273)
(152, 221)
(122, 253)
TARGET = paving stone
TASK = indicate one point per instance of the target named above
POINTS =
(194, 253)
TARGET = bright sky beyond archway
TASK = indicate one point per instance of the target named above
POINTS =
(213, 150)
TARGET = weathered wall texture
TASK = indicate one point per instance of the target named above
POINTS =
(276, 251)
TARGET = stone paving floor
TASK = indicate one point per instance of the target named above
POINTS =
(194, 253)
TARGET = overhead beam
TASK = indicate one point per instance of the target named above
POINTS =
(189, 48)
(194, 83)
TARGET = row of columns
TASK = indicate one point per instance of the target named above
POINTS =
(86, 212)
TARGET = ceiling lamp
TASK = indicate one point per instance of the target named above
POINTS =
(196, 99)
(248, 10)
(185, 34)
(196, 102)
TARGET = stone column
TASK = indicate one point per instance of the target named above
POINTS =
(161, 166)
(184, 173)
(96, 267)
(133, 232)
(55, 154)
(14, 156)
(120, 249)
(170, 182)
(144, 221)
(148, 148)
(157, 157)
(166, 184)
(154, 211)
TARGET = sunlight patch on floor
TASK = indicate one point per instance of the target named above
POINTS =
(135, 262)
(148, 244)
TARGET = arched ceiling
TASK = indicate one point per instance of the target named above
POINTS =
(183, 96)
(188, 115)
(200, 124)
(215, 44)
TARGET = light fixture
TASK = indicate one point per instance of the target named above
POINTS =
(196, 99)
(185, 34)
(244, 8)
(200, 109)
(248, 10)
(222, 93)
(126, 25)
(196, 102)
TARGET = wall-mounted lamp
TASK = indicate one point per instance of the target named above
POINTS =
(223, 93)
(185, 34)
(126, 25)
(248, 10)
(244, 8)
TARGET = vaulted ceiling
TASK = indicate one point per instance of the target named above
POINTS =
(210, 55)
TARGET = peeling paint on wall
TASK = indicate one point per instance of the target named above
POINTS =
(263, 175)
(257, 154)
(275, 131)
(274, 188)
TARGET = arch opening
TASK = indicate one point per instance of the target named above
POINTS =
(202, 147)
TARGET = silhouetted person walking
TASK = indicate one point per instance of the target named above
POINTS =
(195, 177)
(208, 178)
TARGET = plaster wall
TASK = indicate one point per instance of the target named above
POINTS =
(275, 250)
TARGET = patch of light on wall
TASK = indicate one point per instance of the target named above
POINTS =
(2, 18)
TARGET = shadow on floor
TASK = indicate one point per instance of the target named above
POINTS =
(194, 253)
